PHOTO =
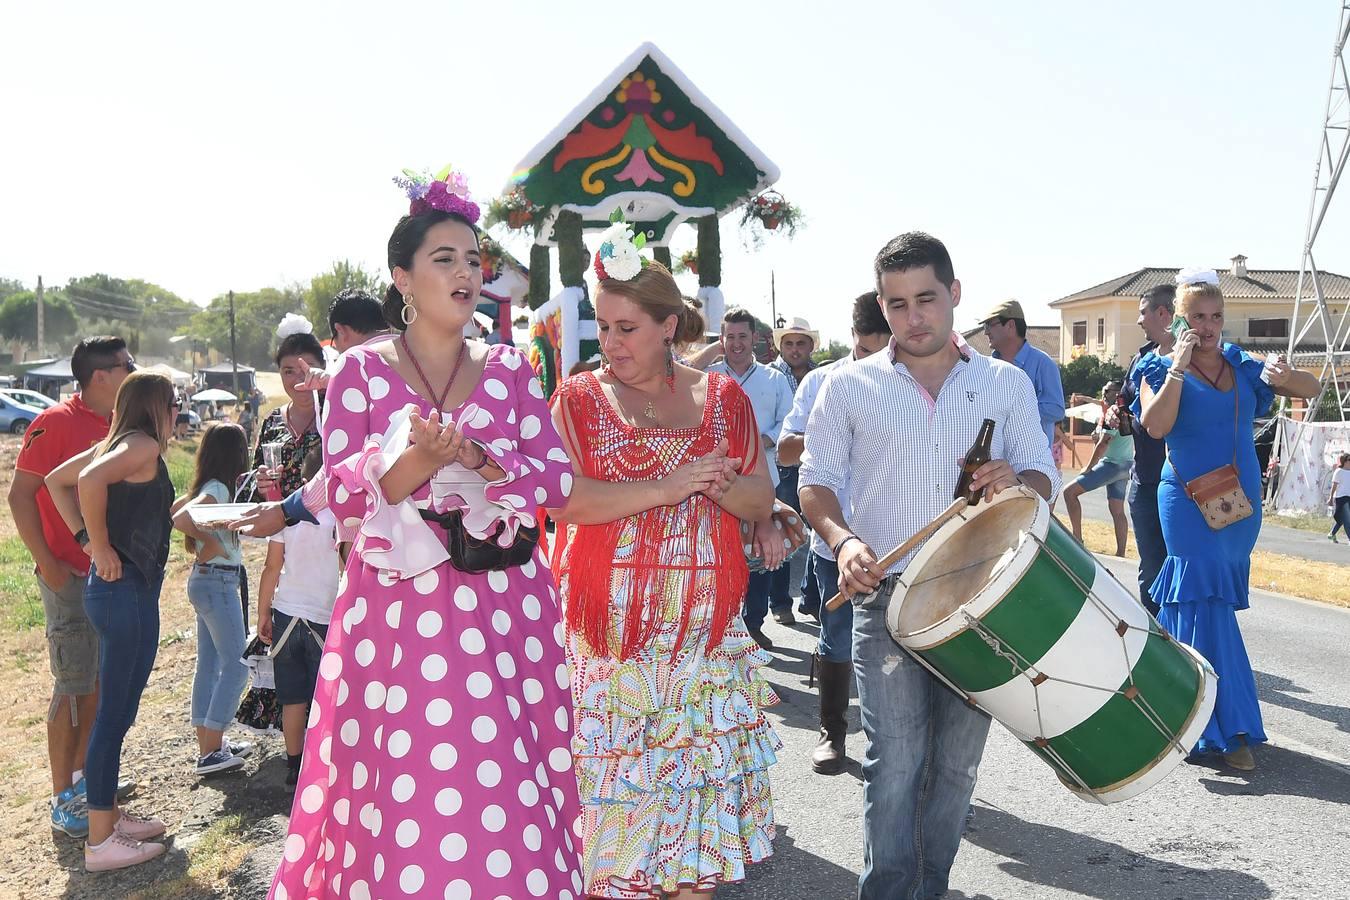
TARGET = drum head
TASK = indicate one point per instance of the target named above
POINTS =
(961, 561)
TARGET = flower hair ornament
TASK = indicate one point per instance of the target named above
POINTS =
(292, 323)
(618, 256)
(447, 191)
(1197, 276)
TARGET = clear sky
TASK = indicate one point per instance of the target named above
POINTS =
(1051, 145)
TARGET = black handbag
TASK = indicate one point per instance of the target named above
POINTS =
(478, 555)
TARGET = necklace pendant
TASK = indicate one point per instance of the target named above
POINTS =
(650, 411)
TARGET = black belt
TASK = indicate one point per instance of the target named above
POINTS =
(219, 567)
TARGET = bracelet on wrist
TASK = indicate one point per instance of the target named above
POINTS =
(481, 462)
(839, 546)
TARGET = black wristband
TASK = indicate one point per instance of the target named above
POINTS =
(839, 546)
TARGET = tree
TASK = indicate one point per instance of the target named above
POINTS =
(9, 286)
(256, 315)
(325, 286)
(836, 350)
(1087, 374)
(18, 317)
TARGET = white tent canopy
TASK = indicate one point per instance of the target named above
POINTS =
(177, 376)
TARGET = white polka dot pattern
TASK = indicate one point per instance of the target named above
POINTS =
(420, 750)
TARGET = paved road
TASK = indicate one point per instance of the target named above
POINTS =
(1289, 541)
(1283, 831)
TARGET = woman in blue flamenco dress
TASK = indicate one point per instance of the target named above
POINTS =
(1202, 399)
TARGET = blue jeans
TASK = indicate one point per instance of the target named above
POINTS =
(1148, 535)
(221, 635)
(924, 746)
(836, 625)
(756, 605)
(811, 599)
(1341, 515)
(125, 614)
(781, 578)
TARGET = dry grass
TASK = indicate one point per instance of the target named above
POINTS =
(1310, 579)
(214, 855)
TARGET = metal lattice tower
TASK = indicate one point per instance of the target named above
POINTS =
(1311, 316)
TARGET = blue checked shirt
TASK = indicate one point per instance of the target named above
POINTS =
(875, 430)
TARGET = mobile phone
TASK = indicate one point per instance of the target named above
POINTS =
(1179, 324)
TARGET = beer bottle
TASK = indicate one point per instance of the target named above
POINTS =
(976, 457)
(1124, 423)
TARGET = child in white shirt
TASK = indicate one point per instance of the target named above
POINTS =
(295, 604)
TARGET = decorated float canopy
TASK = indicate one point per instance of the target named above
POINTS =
(649, 144)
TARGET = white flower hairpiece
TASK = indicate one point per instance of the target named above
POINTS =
(618, 256)
(1195, 275)
(292, 323)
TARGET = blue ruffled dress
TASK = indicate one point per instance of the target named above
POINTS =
(1203, 582)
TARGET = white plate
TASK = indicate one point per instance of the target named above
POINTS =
(218, 513)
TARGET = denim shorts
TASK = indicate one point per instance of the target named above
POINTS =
(1114, 475)
(296, 664)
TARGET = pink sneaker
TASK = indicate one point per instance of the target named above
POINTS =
(138, 828)
(119, 852)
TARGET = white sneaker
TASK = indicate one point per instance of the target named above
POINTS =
(119, 852)
(138, 828)
(241, 749)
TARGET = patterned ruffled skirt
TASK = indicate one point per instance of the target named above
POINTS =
(672, 754)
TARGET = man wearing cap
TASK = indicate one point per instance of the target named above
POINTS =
(1006, 328)
(795, 345)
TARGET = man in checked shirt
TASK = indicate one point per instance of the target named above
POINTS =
(895, 427)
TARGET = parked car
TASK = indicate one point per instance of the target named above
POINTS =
(28, 398)
(16, 417)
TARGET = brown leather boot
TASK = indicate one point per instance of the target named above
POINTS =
(835, 681)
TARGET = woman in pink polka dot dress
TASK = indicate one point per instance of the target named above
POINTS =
(436, 762)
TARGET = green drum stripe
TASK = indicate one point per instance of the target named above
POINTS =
(1031, 619)
(1119, 741)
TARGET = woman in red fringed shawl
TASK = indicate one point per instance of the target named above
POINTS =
(670, 744)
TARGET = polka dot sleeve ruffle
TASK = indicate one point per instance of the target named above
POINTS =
(391, 537)
(520, 438)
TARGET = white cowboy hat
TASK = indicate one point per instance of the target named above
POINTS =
(798, 326)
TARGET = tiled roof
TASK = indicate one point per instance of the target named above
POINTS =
(1257, 284)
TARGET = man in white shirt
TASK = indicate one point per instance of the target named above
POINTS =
(833, 660)
(893, 428)
(771, 397)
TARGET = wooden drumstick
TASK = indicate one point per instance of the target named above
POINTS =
(900, 552)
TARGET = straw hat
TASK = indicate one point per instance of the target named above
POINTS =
(798, 326)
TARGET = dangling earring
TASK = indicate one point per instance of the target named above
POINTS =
(408, 308)
(670, 366)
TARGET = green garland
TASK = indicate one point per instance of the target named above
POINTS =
(539, 266)
(571, 249)
(709, 252)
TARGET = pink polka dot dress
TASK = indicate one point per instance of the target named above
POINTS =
(437, 760)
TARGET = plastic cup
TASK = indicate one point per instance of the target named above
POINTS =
(272, 461)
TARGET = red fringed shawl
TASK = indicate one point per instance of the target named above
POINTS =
(609, 449)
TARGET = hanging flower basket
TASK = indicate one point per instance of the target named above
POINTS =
(769, 211)
(688, 262)
(513, 209)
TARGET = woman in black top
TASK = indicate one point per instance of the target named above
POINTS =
(116, 499)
